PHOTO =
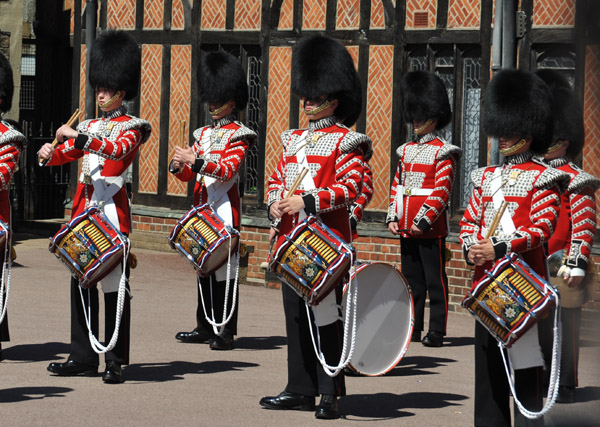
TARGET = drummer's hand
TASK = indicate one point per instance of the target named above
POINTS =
(273, 234)
(574, 281)
(481, 252)
(46, 151)
(184, 155)
(65, 132)
(275, 211)
(291, 205)
(415, 231)
(393, 227)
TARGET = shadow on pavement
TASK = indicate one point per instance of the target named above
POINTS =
(36, 352)
(587, 394)
(260, 343)
(458, 341)
(20, 394)
(418, 365)
(170, 371)
(388, 406)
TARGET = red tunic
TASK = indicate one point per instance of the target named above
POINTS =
(116, 138)
(336, 157)
(357, 209)
(229, 144)
(11, 143)
(532, 191)
(577, 219)
(428, 164)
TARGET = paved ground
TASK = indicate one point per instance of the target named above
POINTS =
(175, 384)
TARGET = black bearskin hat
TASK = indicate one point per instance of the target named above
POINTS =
(6, 84)
(518, 103)
(424, 97)
(115, 63)
(221, 79)
(322, 66)
(566, 111)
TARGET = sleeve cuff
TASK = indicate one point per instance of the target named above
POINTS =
(500, 248)
(422, 224)
(80, 141)
(310, 205)
(197, 166)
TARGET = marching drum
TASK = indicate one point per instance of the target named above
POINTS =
(312, 260)
(510, 299)
(89, 246)
(3, 234)
(385, 318)
(203, 238)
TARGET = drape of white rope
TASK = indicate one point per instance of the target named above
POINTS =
(6, 271)
(96, 345)
(351, 302)
(226, 316)
(554, 370)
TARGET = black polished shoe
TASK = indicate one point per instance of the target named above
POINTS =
(221, 342)
(328, 408)
(196, 336)
(287, 400)
(113, 373)
(72, 368)
(565, 394)
(416, 336)
(433, 339)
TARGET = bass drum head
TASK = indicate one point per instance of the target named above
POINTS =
(384, 317)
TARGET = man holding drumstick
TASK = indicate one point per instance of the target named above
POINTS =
(324, 77)
(108, 146)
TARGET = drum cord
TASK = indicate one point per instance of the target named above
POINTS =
(226, 316)
(96, 345)
(6, 270)
(554, 370)
(351, 302)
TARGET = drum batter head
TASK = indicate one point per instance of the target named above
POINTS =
(385, 317)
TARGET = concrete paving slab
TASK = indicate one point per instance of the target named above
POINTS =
(176, 384)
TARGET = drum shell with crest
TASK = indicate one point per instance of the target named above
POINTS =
(202, 237)
(385, 318)
(89, 246)
(509, 299)
(312, 260)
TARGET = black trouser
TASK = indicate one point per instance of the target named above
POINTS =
(492, 392)
(81, 349)
(569, 362)
(305, 373)
(215, 300)
(4, 335)
(423, 266)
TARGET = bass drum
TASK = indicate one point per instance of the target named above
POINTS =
(384, 317)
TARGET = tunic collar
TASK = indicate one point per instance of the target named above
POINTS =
(322, 123)
(113, 114)
(517, 159)
(560, 161)
(223, 121)
(426, 138)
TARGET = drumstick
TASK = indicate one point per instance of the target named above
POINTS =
(496, 220)
(296, 183)
(72, 120)
(182, 124)
(289, 193)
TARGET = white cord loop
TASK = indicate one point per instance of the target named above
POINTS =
(96, 345)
